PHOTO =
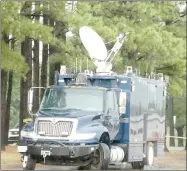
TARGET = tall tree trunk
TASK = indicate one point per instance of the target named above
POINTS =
(59, 28)
(52, 50)
(25, 84)
(36, 69)
(22, 104)
(9, 98)
(3, 106)
(28, 55)
(171, 124)
(22, 94)
(186, 142)
(36, 75)
(180, 134)
(166, 124)
(4, 77)
(44, 61)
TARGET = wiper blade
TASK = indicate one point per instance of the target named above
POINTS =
(48, 114)
(70, 109)
(52, 112)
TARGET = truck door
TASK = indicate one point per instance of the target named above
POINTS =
(111, 116)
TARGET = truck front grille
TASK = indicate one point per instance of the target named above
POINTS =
(59, 129)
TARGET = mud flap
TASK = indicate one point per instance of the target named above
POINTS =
(158, 149)
(135, 152)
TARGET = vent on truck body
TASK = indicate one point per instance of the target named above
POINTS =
(58, 129)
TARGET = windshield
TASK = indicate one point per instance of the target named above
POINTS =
(77, 98)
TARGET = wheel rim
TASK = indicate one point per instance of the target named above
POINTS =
(97, 160)
(150, 156)
(25, 160)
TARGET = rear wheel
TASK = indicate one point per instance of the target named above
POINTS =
(149, 160)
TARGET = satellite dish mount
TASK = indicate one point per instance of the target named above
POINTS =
(97, 49)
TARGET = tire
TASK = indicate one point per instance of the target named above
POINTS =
(149, 159)
(83, 167)
(137, 165)
(101, 158)
(28, 163)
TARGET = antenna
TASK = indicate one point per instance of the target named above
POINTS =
(120, 39)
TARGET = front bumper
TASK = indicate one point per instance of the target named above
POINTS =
(71, 151)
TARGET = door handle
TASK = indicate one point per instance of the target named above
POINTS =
(108, 117)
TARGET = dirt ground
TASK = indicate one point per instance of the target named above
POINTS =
(11, 159)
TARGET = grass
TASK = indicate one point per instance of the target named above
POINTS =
(10, 157)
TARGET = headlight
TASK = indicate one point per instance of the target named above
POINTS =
(9, 134)
(28, 134)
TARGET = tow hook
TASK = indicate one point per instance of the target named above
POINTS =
(45, 154)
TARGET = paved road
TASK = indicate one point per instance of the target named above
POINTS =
(124, 167)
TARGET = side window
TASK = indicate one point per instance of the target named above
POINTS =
(110, 101)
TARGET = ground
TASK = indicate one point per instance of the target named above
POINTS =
(176, 160)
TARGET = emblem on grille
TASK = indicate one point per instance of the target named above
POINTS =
(54, 121)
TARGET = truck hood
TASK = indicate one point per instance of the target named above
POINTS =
(70, 113)
(88, 121)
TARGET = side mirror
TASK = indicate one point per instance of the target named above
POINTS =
(30, 100)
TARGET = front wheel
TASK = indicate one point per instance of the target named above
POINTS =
(100, 159)
(28, 163)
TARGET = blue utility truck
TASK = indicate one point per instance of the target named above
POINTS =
(105, 120)
(92, 120)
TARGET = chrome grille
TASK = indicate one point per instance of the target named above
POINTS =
(60, 128)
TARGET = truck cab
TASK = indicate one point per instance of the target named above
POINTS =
(72, 123)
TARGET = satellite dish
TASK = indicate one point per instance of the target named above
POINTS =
(93, 43)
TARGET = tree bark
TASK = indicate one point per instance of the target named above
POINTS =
(4, 77)
(166, 124)
(186, 142)
(25, 84)
(22, 94)
(52, 50)
(36, 71)
(3, 106)
(22, 104)
(28, 81)
(171, 124)
(44, 62)
(59, 33)
(180, 134)
(9, 98)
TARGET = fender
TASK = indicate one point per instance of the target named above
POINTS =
(97, 128)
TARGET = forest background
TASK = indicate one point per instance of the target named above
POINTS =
(38, 37)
